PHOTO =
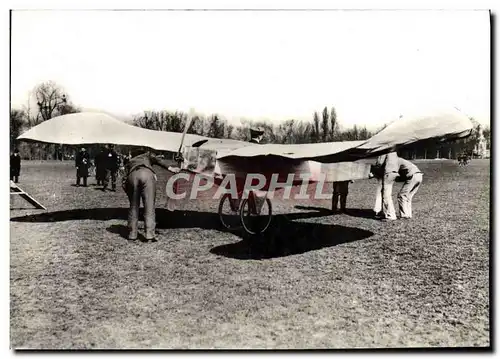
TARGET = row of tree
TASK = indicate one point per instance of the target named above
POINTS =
(290, 131)
(51, 101)
(47, 100)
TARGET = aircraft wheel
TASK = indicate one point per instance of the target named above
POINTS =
(228, 213)
(256, 223)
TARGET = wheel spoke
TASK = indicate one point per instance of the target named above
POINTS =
(253, 223)
(228, 214)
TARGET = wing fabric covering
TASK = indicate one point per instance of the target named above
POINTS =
(441, 126)
(220, 157)
(89, 127)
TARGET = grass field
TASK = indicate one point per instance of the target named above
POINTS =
(323, 281)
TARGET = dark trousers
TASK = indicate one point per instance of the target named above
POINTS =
(82, 172)
(78, 180)
(110, 174)
(14, 175)
(335, 201)
(100, 174)
(340, 191)
(141, 184)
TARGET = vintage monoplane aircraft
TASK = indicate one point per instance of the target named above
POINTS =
(219, 159)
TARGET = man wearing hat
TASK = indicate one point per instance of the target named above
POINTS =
(256, 135)
(82, 163)
(140, 182)
(15, 166)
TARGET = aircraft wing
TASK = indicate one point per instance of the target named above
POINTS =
(90, 127)
(338, 160)
(94, 127)
(440, 126)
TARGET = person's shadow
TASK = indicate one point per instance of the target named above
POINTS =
(361, 213)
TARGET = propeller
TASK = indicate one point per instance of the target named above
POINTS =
(178, 156)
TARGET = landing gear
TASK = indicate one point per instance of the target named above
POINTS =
(253, 214)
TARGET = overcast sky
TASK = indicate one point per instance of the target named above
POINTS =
(371, 66)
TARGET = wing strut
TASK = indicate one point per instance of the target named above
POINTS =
(15, 189)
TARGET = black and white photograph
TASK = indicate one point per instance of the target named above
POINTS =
(250, 179)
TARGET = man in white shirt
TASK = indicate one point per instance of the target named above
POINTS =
(391, 166)
(377, 208)
(412, 177)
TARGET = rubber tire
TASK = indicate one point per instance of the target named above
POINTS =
(243, 204)
(221, 204)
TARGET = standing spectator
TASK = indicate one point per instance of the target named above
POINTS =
(111, 167)
(340, 191)
(388, 167)
(378, 173)
(15, 166)
(463, 159)
(82, 163)
(377, 208)
(121, 165)
(100, 170)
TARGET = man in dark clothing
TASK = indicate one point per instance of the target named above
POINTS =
(100, 170)
(15, 166)
(111, 166)
(340, 191)
(82, 163)
(140, 182)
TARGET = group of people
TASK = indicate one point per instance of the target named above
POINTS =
(107, 162)
(463, 159)
(388, 169)
(139, 182)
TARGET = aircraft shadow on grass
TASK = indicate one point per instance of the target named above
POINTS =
(289, 239)
(353, 212)
(284, 237)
